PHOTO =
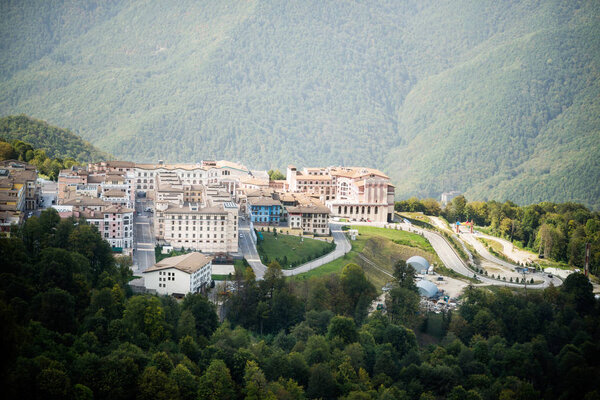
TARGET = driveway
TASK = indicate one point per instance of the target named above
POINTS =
(248, 249)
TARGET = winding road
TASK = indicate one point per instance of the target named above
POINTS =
(444, 250)
(451, 260)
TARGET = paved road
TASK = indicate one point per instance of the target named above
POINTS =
(248, 249)
(445, 252)
(483, 252)
(441, 224)
(477, 245)
(451, 260)
(143, 256)
(144, 243)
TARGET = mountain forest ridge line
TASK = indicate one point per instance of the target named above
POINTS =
(499, 101)
(64, 144)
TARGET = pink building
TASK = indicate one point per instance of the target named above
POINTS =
(117, 227)
(115, 223)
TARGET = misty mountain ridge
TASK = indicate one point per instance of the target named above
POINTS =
(497, 99)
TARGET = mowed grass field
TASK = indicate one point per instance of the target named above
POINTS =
(397, 236)
(293, 248)
(380, 246)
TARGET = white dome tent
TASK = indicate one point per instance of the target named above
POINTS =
(427, 289)
(419, 263)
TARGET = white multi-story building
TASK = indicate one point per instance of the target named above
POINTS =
(194, 216)
(117, 189)
(117, 228)
(188, 273)
(447, 197)
(223, 173)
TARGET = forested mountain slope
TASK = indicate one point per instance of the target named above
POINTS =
(498, 99)
(55, 142)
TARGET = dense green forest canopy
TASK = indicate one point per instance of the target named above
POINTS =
(498, 99)
(23, 151)
(54, 141)
(71, 328)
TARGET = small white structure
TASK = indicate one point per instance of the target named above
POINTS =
(180, 275)
(448, 196)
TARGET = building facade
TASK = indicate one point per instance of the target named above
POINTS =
(264, 210)
(311, 219)
(212, 229)
(113, 186)
(114, 223)
(223, 173)
(20, 179)
(188, 273)
(356, 193)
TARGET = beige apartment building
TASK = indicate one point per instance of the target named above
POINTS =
(112, 186)
(20, 178)
(212, 229)
(356, 193)
(194, 216)
(114, 222)
(18, 193)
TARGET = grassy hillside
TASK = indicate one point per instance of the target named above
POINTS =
(383, 247)
(498, 99)
(56, 142)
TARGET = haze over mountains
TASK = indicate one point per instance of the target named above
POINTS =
(500, 99)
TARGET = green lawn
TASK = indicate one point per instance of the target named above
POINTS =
(291, 250)
(239, 266)
(221, 277)
(159, 256)
(398, 237)
(381, 246)
(333, 267)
